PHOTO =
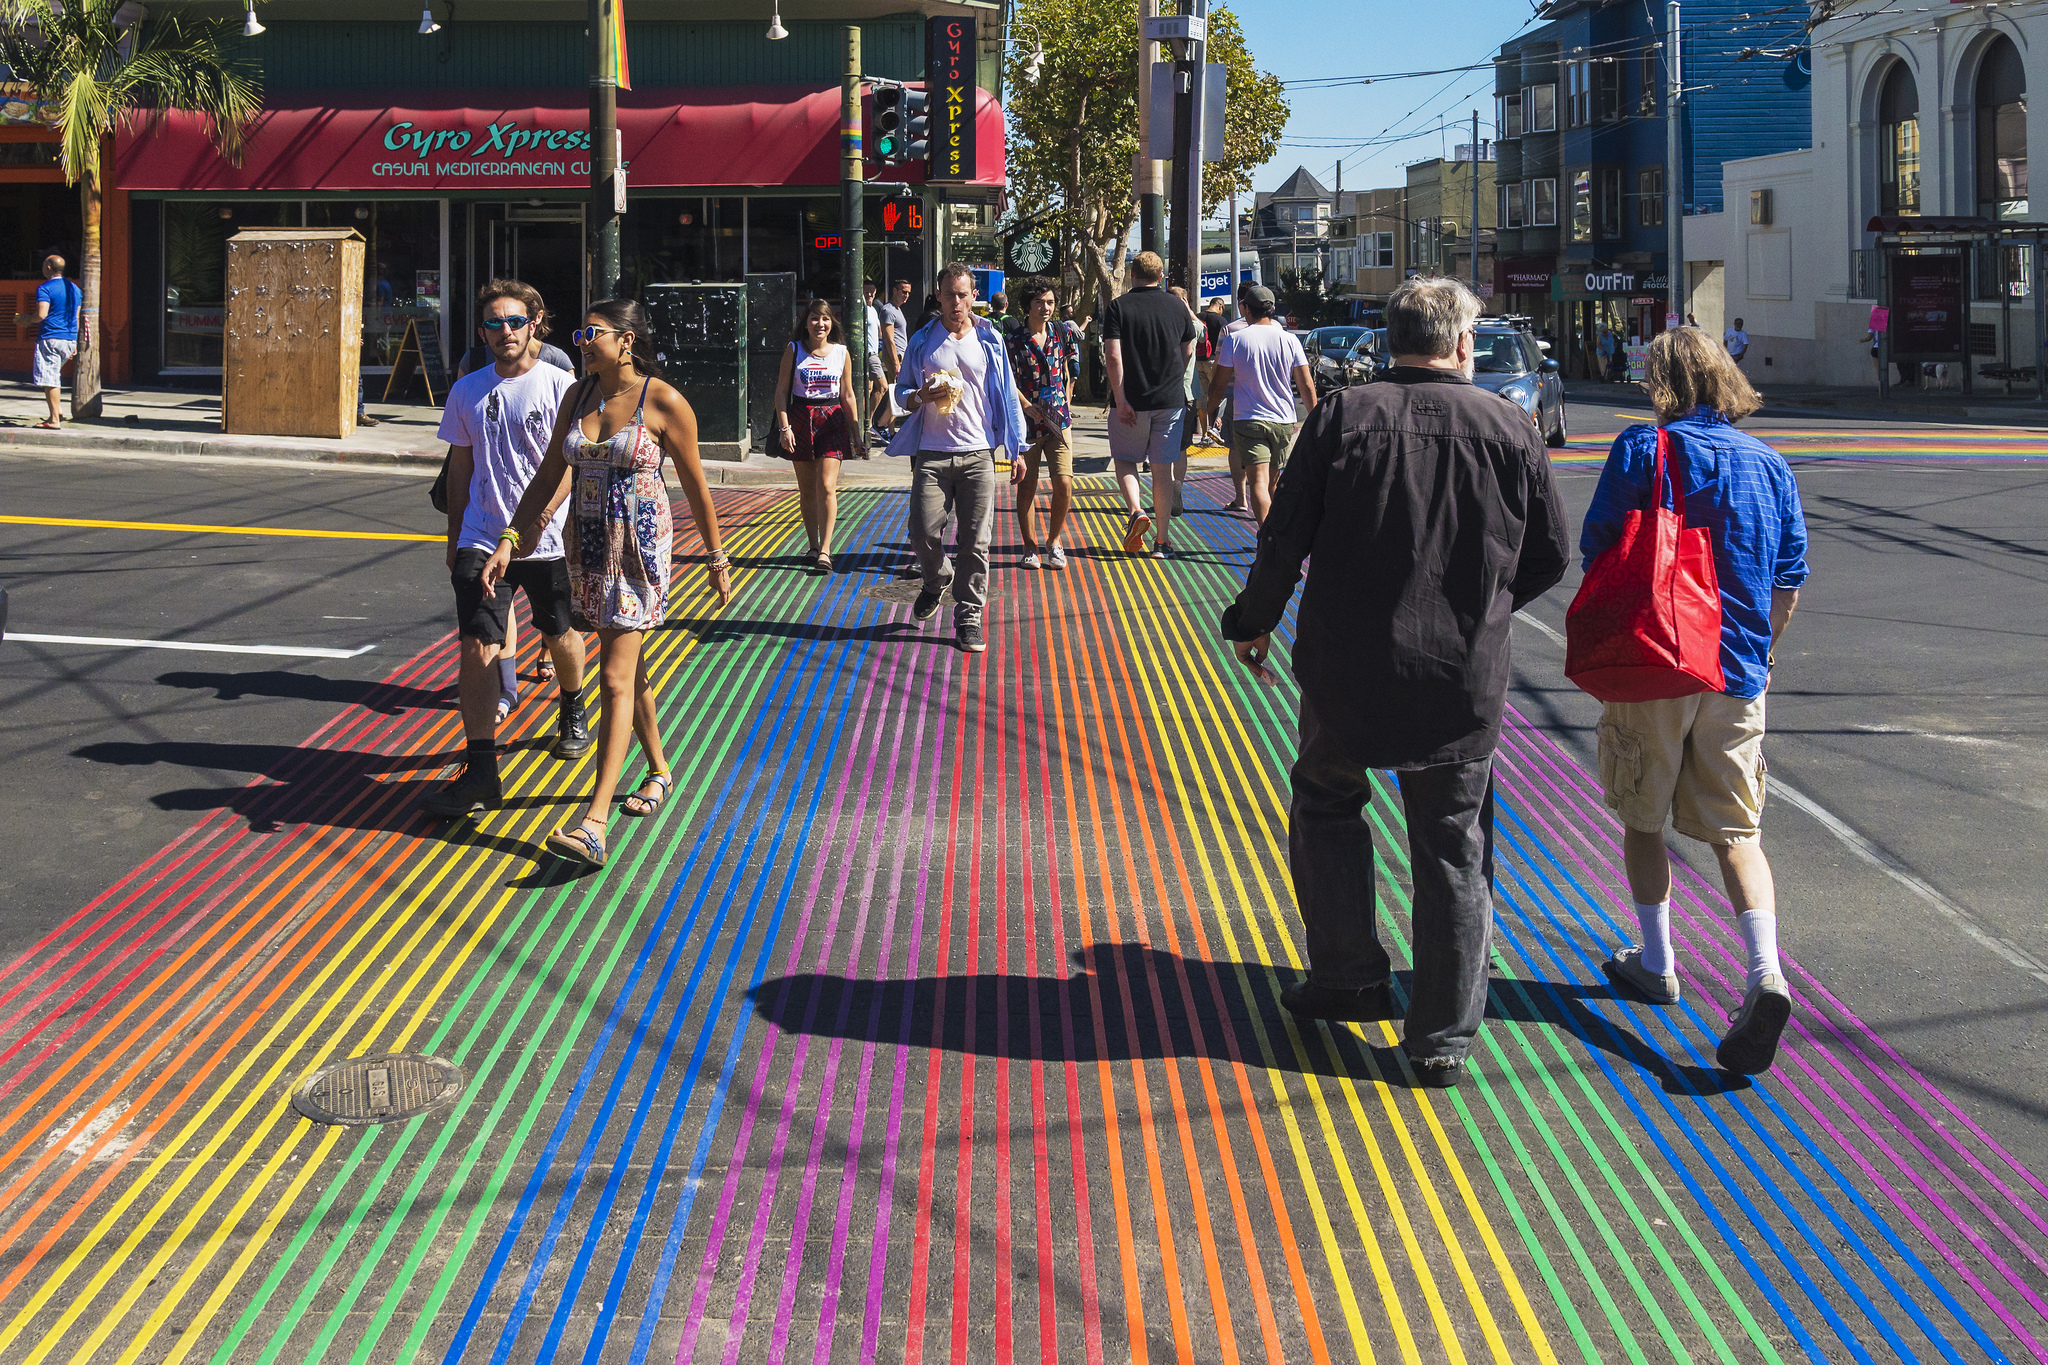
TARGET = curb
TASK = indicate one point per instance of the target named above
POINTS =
(80, 438)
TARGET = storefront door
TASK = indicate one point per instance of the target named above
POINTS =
(548, 255)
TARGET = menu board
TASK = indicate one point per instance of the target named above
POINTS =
(1927, 310)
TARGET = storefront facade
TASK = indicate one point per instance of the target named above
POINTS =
(451, 186)
(40, 215)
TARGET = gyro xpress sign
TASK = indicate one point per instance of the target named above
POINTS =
(507, 150)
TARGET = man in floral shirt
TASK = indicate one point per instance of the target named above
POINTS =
(1042, 354)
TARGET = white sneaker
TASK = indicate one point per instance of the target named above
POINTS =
(1752, 1042)
(1055, 557)
(1029, 561)
(1659, 988)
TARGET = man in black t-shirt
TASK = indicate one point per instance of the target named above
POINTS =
(1148, 338)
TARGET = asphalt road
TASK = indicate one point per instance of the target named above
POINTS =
(1908, 707)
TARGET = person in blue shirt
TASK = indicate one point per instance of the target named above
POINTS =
(57, 305)
(1698, 760)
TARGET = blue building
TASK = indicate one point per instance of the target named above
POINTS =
(1581, 108)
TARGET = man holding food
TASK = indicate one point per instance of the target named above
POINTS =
(955, 383)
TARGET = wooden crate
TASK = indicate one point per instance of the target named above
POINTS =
(294, 336)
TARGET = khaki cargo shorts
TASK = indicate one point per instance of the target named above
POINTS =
(1055, 448)
(1698, 760)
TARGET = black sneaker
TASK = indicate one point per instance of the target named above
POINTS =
(1325, 1002)
(1436, 1075)
(572, 735)
(969, 635)
(926, 606)
(473, 793)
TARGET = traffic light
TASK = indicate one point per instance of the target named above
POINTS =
(902, 218)
(902, 124)
(889, 123)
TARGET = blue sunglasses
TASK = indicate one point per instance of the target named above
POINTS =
(500, 324)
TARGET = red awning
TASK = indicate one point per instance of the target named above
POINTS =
(485, 140)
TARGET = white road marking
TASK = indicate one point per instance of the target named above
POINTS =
(107, 642)
(1884, 862)
(1973, 741)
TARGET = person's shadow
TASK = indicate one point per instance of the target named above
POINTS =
(1130, 1001)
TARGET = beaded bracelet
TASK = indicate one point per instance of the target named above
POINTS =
(718, 560)
(509, 533)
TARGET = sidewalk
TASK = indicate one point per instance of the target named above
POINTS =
(1987, 406)
(185, 422)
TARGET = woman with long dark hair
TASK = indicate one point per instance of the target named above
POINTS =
(814, 420)
(608, 443)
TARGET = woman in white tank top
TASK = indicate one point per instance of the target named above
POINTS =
(814, 421)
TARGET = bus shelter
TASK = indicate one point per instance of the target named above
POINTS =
(1934, 269)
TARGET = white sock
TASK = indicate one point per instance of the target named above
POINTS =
(1760, 932)
(1655, 922)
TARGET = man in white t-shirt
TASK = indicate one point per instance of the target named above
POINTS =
(1264, 369)
(1736, 340)
(498, 423)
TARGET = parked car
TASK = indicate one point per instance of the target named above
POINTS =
(1362, 363)
(1508, 360)
(1326, 348)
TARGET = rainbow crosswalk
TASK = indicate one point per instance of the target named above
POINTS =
(934, 1018)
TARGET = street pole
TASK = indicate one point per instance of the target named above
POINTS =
(1186, 261)
(604, 147)
(853, 251)
(1474, 168)
(1230, 294)
(1674, 197)
(1144, 170)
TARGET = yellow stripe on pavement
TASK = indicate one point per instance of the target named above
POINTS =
(217, 530)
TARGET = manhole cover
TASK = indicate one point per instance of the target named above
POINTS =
(905, 590)
(378, 1089)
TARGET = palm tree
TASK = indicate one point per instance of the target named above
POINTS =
(102, 65)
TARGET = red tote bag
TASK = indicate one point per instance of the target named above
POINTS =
(1646, 624)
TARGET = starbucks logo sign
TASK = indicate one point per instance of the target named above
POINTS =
(1031, 254)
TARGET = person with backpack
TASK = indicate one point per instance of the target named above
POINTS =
(1697, 760)
(57, 305)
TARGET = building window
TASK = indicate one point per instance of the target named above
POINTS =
(1508, 115)
(1340, 264)
(1379, 250)
(1539, 109)
(1610, 202)
(1578, 94)
(1650, 197)
(1898, 144)
(1511, 206)
(1542, 203)
(1647, 105)
(2002, 133)
(1582, 206)
(1607, 90)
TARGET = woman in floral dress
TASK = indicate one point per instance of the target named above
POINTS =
(606, 454)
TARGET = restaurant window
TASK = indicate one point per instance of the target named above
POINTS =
(1650, 196)
(1610, 202)
(1582, 206)
(2002, 133)
(1539, 109)
(775, 243)
(195, 260)
(1508, 115)
(1543, 203)
(682, 241)
(1898, 145)
(1511, 206)
(401, 270)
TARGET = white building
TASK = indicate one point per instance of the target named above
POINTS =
(1916, 112)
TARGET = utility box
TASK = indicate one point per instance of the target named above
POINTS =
(292, 351)
(700, 341)
(771, 313)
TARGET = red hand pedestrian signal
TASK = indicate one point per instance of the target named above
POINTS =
(902, 218)
(892, 214)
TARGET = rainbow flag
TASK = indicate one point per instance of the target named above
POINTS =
(621, 74)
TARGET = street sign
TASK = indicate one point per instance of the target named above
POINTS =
(1216, 283)
(1168, 27)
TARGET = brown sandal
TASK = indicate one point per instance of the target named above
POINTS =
(578, 845)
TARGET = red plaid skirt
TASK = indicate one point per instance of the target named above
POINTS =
(822, 431)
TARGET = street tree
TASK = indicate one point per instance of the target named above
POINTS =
(1074, 128)
(102, 64)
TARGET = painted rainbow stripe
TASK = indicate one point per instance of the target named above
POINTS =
(934, 1018)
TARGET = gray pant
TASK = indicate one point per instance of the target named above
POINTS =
(960, 484)
(1450, 840)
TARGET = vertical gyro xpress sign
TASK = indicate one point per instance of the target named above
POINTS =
(949, 79)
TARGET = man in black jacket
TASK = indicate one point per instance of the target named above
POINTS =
(1428, 514)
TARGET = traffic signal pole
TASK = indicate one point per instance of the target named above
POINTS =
(1184, 262)
(1674, 191)
(604, 150)
(853, 225)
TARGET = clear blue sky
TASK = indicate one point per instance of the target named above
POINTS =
(1306, 39)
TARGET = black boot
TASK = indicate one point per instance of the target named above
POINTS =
(473, 793)
(1326, 1002)
(572, 729)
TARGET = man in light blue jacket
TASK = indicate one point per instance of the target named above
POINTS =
(961, 397)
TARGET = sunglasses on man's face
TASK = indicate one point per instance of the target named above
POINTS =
(500, 324)
(583, 336)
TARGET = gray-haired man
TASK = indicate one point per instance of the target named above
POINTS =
(1426, 509)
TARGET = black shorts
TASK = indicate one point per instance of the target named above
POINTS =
(545, 582)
